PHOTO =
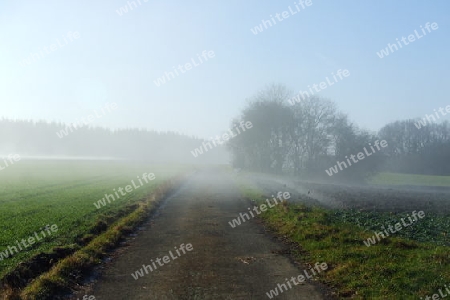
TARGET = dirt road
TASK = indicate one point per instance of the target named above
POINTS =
(225, 263)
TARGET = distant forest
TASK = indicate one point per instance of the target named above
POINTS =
(311, 136)
(301, 139)
(30, 138)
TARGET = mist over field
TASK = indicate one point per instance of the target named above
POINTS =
(224, 150)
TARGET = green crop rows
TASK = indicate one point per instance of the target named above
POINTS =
(36, 193)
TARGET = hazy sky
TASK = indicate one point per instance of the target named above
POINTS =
(118, 58)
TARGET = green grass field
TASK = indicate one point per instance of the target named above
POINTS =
(36, 193)
(410, 179)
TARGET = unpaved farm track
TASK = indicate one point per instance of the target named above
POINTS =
(226, 263)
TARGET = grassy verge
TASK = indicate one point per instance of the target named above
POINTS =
(394, 268)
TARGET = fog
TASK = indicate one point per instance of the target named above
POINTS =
(120, 81)
(144, 128)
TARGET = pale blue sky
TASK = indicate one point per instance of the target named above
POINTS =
(117, 58)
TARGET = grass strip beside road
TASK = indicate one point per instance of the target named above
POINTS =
(394, 268)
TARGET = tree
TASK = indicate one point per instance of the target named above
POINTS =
(264, 147)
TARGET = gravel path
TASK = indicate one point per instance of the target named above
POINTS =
(225, 262)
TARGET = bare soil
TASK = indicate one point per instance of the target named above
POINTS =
(361, 197)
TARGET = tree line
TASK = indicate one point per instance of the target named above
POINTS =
(40, 138)
(311, 136)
